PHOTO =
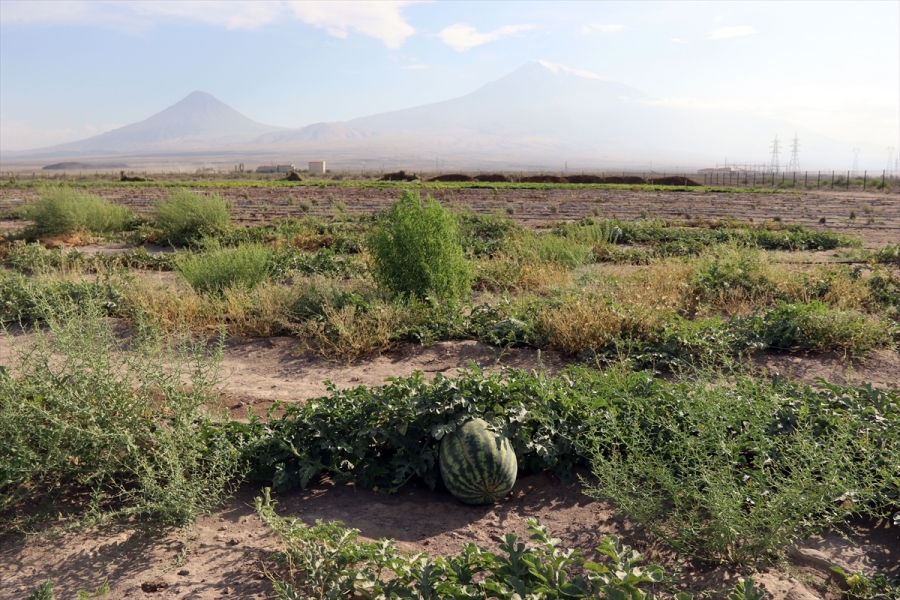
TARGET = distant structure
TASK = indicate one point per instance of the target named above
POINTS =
(274, 168)
(775, 166)
(317, 166)
(855, 161)
(890, 163)
(731, 169)
(794, 165)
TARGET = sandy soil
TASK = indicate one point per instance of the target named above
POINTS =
(224, 554)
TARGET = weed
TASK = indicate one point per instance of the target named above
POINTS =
(43, 592)
(416, 250)
(219, 269)
(62, 210)
(96, 427)
(187, 218)
(326, 560)
(735, 473)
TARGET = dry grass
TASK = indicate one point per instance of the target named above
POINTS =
(507, 273)
(579, 323)
(347, 333)
(244, 313)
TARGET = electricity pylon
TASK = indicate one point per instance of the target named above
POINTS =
(776, 147)
(794, 165)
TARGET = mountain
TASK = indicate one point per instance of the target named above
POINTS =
(198, 122)
(549, 114)
(317, 132)
(541, 115)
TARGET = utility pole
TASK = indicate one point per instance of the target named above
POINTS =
(775, 166)
(794, 165)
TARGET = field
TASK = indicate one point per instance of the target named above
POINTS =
(711, 375)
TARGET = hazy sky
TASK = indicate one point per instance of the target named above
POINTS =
(69, 70)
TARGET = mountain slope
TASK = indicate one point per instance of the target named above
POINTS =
(550, 114)
(197, 122)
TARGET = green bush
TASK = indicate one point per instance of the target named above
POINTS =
(416, 250)
(186, 217)
(95, 426)
(221, 268)
(815, 326)
(61, 210)
(735, 472)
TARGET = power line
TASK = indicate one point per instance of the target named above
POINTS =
(776, 147)
(794, 165)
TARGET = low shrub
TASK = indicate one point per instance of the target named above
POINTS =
(35, 259)
(736, 472)
(27, 300)
(485, 235)
(186, 218)
(98, 427)
(549, 248)
(416, 250)
(815, 326)
(218, 269)
(62, 210)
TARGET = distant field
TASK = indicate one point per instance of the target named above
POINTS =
(875, 215)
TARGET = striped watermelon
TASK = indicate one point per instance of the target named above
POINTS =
(478, 466)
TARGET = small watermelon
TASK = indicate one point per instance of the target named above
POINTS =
(478, 466)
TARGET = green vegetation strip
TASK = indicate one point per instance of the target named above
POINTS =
(720, 469)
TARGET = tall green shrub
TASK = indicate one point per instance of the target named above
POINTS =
(416, 250)
(186, 217)
(65, 210)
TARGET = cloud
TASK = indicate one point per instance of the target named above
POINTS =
(413, 67)
(599, 28)
(462, 37)
(679, 41)
(725, 33)
(382, 19)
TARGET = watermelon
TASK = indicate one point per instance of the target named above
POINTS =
(478, 466)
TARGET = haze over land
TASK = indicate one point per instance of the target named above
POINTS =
(540, 116)
(547, 87)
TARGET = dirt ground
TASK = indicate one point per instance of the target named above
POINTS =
(223, 553)
(877, 214)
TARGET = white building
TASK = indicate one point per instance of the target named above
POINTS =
(317, 166)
